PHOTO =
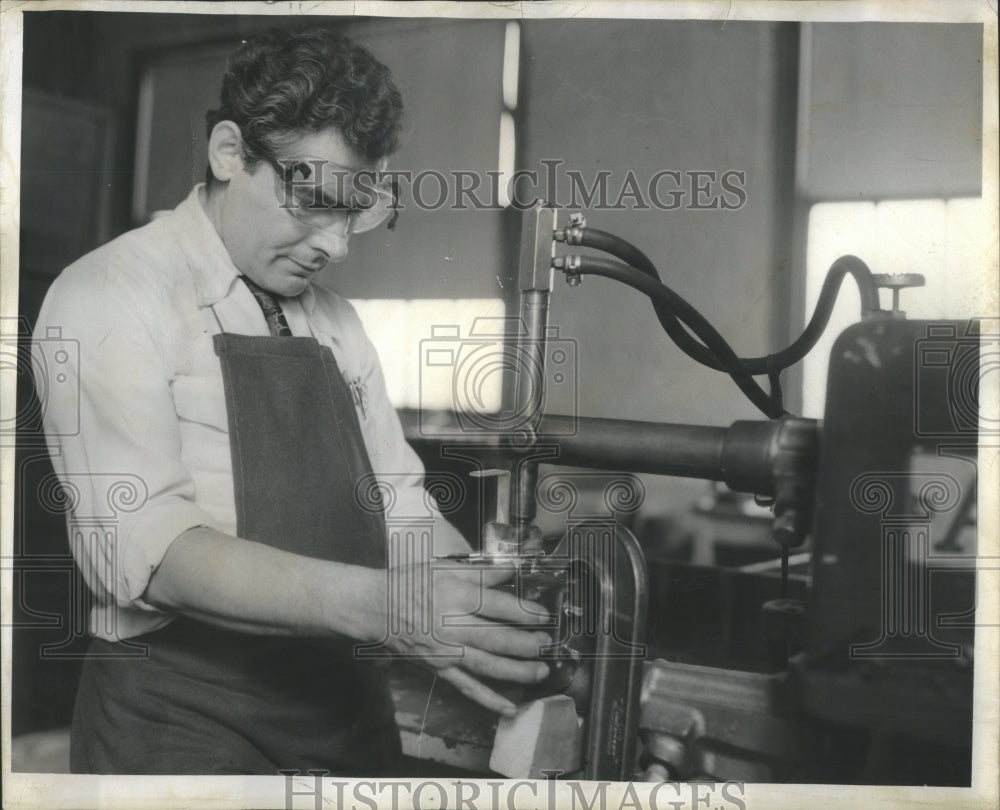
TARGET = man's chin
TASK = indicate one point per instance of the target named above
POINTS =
(288, 281)
(295, 286)
(289, 285)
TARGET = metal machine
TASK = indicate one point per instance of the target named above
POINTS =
(864, 674)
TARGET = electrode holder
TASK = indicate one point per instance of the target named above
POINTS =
(500, 538)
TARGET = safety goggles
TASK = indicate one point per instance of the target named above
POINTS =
(324, 195)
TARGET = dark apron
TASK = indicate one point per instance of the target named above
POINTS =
(214, 701)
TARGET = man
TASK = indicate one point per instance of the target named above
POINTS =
(245, 408)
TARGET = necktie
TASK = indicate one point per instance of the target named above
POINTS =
(275, 318)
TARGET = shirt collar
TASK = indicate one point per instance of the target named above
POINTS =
(211, 267)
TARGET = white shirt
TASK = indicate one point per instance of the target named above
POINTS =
(134, 409)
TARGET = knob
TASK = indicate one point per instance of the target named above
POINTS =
(897, 282)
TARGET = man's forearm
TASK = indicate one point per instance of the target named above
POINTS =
(254, 588)
(251, 587)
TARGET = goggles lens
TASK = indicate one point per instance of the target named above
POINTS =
(322, 194)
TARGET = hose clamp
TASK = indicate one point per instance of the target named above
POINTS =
(572, 270)
(572, 233)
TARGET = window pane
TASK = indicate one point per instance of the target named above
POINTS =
(948, 242)
(425, 346)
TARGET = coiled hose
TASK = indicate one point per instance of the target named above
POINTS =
(706, 345)
(789, 356)
(681, 310)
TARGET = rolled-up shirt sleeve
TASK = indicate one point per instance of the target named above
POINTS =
(112, 428)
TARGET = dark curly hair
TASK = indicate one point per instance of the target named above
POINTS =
(280, 84)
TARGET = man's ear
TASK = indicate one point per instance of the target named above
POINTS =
(225, 151)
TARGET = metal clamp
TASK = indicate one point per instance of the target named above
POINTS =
(572, 233)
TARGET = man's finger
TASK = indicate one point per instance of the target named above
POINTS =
(476, 691)
(497, 574)
(512, 608)
(481, 599)
(494, 637)
(480, 662)
(480, 576)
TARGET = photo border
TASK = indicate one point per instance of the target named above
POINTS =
(24, 790)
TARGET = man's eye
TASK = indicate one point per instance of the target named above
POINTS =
(305, 198)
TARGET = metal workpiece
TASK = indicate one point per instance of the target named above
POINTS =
(512, 533)
(501, 537)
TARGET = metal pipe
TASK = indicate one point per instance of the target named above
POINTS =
(529, 393)
(689, 451)
(749, 456)
(529, 397)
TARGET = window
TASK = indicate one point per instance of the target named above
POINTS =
(949, 242)
(439, 353)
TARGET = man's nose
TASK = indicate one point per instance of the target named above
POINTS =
(330, 241)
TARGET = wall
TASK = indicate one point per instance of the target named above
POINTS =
(429, 253)
(890, 128)
(891, 111)
(699, 96)
(685, 96)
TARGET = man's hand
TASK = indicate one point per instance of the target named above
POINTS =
(452, 621)
(442, 613)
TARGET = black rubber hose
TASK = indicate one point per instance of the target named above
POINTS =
(682, 310)
(824, 307)
(630, 254)
(770, 364)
